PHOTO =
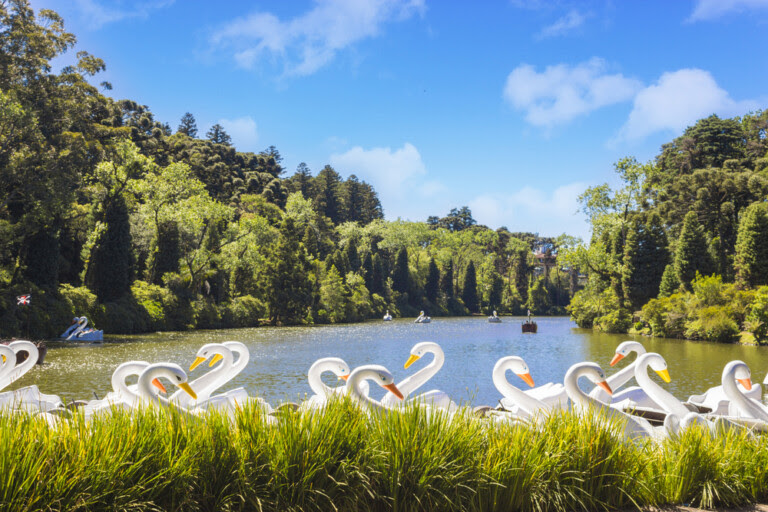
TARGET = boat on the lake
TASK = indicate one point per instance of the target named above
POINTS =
(530, 326)
(79, 331)
(494, 318)
(387, 317)
(422, 319)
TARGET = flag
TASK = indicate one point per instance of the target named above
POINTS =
(23, 300)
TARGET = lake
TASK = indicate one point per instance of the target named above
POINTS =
(281, 356)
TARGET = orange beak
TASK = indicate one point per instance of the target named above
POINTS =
(527, 378)
(159, 385)
(747, 383)
(393, 389)
(605, 386)
(344, 377)
(616, 358)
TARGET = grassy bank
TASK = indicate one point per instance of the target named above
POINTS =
(345, 460)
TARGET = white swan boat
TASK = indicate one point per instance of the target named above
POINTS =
(79, 331)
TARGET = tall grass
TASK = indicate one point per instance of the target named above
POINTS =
(345, 459)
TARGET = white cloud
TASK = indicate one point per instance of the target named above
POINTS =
(712, 9)
(678, 100)
(243, 131)
(385, 169)
(310, 41)
(571, 21)
(100, 13)
(561, 93)
(531, 208)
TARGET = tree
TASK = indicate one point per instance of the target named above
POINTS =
(289, 281)
(496, 292)
(367, 268)
(301, 181)
(669, 283)
(691, 255)
(645, 257)
(377, 279)
(217, 135)
(110, 267)
(432, 286)
(446, 281)
(469, 290)
(188, 126)
(400, 278)
(352, 255)
(752, 247)
(326, 195)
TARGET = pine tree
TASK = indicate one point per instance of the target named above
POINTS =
(289, 282)
(327, 195)
(692, 255)
(188, 126)
(352, 255)
(446, 281)
(167, 252)
(110, 268)
(496, 292)
(400, 272)
(310, 241)
(301, 181)
(377, 279)
(42, 259)
(432, 286)
(669, 283)
(217, 135)
(368, 271)
(645, 257)
(751, 260)
(469, 290)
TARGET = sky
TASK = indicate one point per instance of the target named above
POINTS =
(510, 107)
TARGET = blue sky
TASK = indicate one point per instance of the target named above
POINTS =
(511, 107)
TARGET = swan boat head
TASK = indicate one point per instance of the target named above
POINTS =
(420, 349)
(517, 365)
(659, 365)
(172, 372)
(625, 348)
(212, 351)
(740, 372)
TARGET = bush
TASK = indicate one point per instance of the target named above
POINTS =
(713, 324)
(617, 321)
(757, 319)
(245, 311)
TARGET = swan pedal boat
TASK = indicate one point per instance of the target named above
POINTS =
(78, 331)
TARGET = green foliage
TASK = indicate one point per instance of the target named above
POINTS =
(691, 256)
(752, 247)
(432, 286)
(110, 268)
(400, 272)
(712, 323)
(469, 289)
(645, 257)
(669, 283)
(758, 315)
(344, 459)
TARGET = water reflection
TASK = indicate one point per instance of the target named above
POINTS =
(280, 357)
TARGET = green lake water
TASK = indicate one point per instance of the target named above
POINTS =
(280, 357)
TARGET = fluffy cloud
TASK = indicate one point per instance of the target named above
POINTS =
(385, 169)
(567, 23)
(676, 101)
(560, 93)
(552, 213)
(243, 131)
(310, 41)
(712, 9)
(100, 13)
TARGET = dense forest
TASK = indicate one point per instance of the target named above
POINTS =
(681, 248)
(108, 212)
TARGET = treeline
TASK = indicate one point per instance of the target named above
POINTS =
(681, 250)
(107, 212)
